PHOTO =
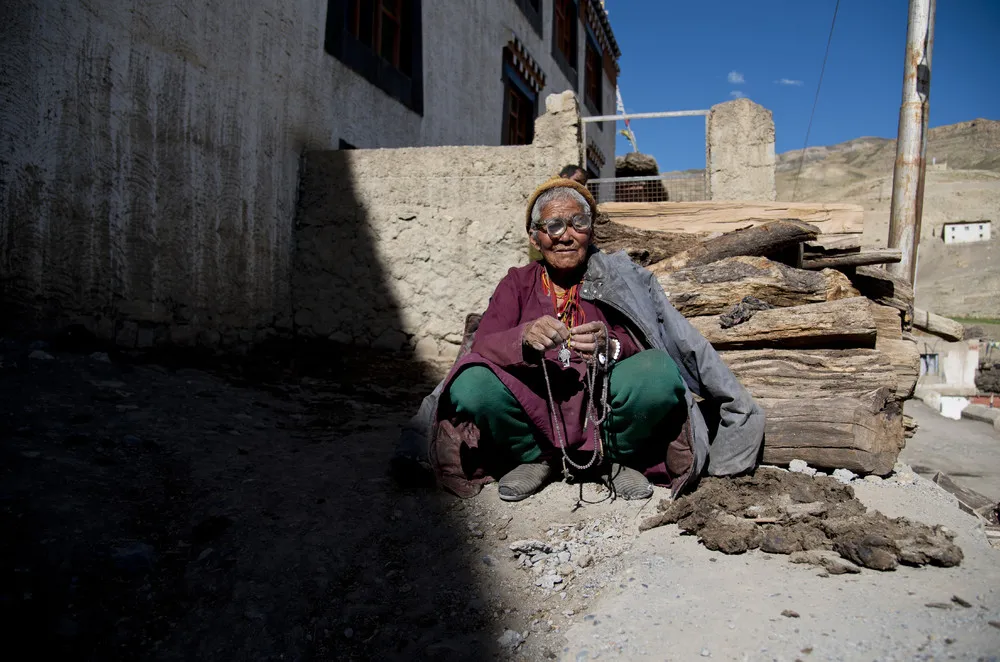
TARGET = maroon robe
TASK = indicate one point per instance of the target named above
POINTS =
(519, 300)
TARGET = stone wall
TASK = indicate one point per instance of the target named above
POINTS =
(151, 151)
(740, 151)
(395, 246)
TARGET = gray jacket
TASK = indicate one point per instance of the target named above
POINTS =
(616, 281)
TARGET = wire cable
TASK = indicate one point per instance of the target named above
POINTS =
(819, 85)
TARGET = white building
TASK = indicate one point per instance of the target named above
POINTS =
(454, 72)
(966, 232)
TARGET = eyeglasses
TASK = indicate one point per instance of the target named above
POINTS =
(556, 227)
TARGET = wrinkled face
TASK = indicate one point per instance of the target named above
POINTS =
(569, 251)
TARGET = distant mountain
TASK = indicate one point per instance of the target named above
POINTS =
(963, 185)
(973, 145)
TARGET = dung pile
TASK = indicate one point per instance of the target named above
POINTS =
(781, 512)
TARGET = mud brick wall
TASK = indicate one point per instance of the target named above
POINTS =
(394, 247)
(740, 151)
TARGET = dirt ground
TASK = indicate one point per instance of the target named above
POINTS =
(242, 510)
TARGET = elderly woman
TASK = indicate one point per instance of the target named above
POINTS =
(581, 366)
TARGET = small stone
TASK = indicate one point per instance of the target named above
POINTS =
(510, 639)
(872, 478)
(565, 569)
(101, 357)
(801, 467)
(489, 560)
(39, 355)
(705, 652)
(844, 476)
(585, 560)
(548, 581)
(564, 557)
(205, 553)
(348, 633)
(788, 613)
(530, 547)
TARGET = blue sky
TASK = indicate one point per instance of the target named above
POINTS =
(692, 55)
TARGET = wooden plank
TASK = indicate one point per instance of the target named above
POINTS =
(903, 354)
(888, 322)
(811, 373)
(728, 216)
(970, 501)
(842, 323)
(942, 327)
(712, 289)
(859, 259)
(771, 237)
(834, 243)
(863, 433)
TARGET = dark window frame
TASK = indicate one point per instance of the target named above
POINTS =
(596, 105)
(567, 62)
(514, 82)
(343, 41)
(532, 13)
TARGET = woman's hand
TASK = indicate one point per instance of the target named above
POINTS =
(588, 338)
(545, 333)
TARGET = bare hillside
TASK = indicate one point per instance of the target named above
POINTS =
(963, 185)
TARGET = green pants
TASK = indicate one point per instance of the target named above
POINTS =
(646, 396)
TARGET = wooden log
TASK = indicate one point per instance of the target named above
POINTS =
(888, 322)
(712, 289)
(729, 216)
(811, 373)
(863, 433)
(861, 258)
(644, 246)
(834, 243)
(763, 239)
(942, 327)
(882, 287)
(842, 323)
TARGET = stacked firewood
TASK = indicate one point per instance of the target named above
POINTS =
(817, 333)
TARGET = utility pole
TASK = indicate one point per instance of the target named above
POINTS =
(911, 141)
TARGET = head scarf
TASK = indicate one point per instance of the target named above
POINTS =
(556, 182)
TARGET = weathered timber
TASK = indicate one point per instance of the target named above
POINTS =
(834, 243)
(766, 239)
(712, 289)
(842, 323)
(970, 501)
(811, 373)
(729, 216)
(903, 354)
(882, 287)
(863, 433)
(859, 259)
(644, 246)
(888, 322)
(942, 327)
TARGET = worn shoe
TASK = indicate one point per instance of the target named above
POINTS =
(629, 484)
(524, 480)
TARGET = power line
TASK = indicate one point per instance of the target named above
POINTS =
(819, 85)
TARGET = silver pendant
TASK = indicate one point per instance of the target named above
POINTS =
(564, 356)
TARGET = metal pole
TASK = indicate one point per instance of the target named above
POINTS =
(904, 219)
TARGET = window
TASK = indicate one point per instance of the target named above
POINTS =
(929, 364)
(593, 73)
(564, 24)
(520, 105)
(381, 40)
(532, 10)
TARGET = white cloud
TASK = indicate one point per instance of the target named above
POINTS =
(788, 81)
(736, 78)
(737, 94)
